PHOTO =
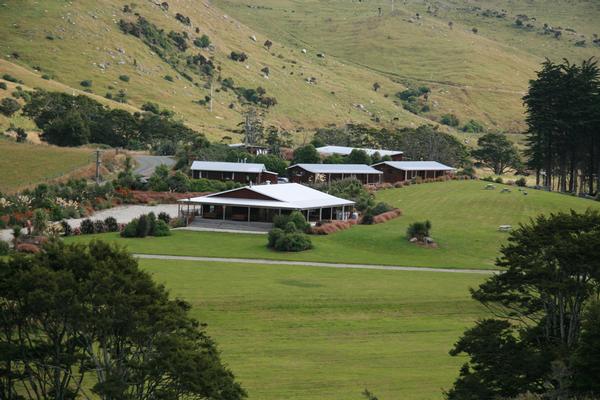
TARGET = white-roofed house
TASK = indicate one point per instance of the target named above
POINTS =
(395, 155)
(260, 203)
(311, 173)
(399, 171)
(230, 171)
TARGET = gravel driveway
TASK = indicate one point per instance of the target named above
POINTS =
(123, 214)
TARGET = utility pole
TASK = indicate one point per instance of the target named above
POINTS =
(98, 162)
(392, 5)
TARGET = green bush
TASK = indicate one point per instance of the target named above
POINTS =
(473, 127)
(3, 85)
(111, 224)
(450, 120)
(522, 182)
(130, 229)
(10, 78)
(124, 78)
(87, 227)
(381, 208)
(4, 248)
(498, 180)
(293, 241)
(295, 218)
(9, 106)
(419, 230)
(86, 83)
(368, 217)
(169, 78)
(163, 216)
(274, 234)
(99, 226)
(161, 228)
(202, 42)
(143, 226)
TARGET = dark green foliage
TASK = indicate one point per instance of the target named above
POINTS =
(450, 120)
(368, 217)
(87, 227)
(100, 302)
(586, 359)
(111, 224)
(357, 156)
(563, 114)
(296, 218)
(151, 107)
(99, 226)
(522, 182)
(274, 234)
(381, 208)
(169, 78)
(178, 40)
(551, 272)
(4, 249)
(10, 78)
(238, 56)
(293, 242)
(201, 64)
(227, 83)
(67, 130)
(161, 229)
(272, 163)
(497, 152)
(9, 106)
(163, 216)
(86, 83)
(74, 120)
(124, 78)
(210, 185)
(473, 127)
(418, 229)
(306, 154)
(501, 365)
(183, 19)
(143, 226)
(349, 189)
(202, 41)
(3, 86)
(499, 180)
(46, 77)
(130, 230)
(66, 228)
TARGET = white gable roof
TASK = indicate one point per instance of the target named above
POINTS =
(291, 196)
(337, 168)
(228, 167)
(345, 151)
(417, 165)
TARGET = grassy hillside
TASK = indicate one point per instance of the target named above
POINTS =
(312, 333)
(71, 42)
(23, 164)
(481, 76)
(465, 220)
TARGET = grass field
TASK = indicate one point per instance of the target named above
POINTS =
(22, 164)
(465, 220)
(312, 333)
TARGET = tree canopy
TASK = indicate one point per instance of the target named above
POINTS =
(497, 153)
(80, 318)
(538, 339)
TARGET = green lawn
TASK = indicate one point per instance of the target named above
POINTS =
(319, 333)
(465, 219)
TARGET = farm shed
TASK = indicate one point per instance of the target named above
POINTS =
(260, 203)
(311, 173)
(230, 171)
(398, 171)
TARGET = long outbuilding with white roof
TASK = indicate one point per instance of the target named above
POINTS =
(261, 203)
(313, 173)
(231, 171)
(399, 171)
(395, 155)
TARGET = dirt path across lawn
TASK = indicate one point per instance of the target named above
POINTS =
(315, 264)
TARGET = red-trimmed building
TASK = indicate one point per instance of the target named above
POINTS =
(230, 171)
(399, 171)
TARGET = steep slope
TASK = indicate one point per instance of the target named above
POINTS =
(478, 75)
(76, 41)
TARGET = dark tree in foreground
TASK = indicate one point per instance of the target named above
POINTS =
(306, 154)
(76, 318)
(497, 153)
(537, 340)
